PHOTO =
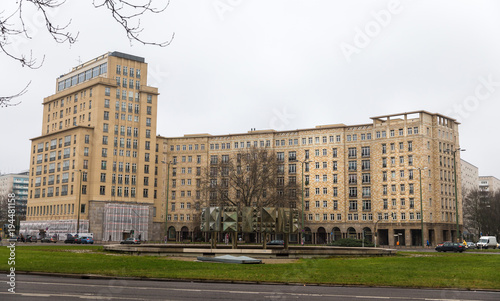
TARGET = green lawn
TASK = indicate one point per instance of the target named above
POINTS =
(433, 270)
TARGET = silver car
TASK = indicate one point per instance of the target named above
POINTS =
(470, 245)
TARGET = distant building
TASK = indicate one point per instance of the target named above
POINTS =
(489, 183)
(16, 183)
(470, 176)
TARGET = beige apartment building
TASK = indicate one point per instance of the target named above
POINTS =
(360, 179)
(99, 161)
(95, 159)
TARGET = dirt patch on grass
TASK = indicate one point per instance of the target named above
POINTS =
(265, 261)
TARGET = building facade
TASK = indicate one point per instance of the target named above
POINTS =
(470, 176)
(16, 183)
(360, 179)
(489, 183)
(100, 165)
(95, 160)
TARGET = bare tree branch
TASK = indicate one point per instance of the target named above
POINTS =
(125, 12)
(5, 101)
(13, 27)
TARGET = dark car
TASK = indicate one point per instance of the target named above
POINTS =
(14, 238)
(30, 238)
(70, 239)
(52, 238)
(130, 240)
(276, 243)
(450, 246)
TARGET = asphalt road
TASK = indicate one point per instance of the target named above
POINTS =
(33, 287)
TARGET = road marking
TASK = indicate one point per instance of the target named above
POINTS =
(273, 294)
(87, 296)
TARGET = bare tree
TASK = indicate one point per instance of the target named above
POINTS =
(252, 177)
(4, 207)
(127, 13)
(481, 211)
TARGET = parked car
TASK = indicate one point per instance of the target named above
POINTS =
(276, 243)
(30, 238)
(470, 245)
(14, 238)
(486, 242)
(450, 246)
(130, 240)
(70, 239)
(86, 240)
(52, 238)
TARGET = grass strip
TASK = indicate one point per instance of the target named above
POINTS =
(430, 270)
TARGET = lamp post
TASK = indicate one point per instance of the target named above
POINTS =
(79, 204)
(375, 230)
(166, 196)
(456, 188)
(303, 213)
(421, 205)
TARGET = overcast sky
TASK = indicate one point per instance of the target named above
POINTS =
(240, 64)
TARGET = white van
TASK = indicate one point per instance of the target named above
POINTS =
(486, 242)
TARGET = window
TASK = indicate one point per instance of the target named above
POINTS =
(365, 151)
(352, 152)
(353, 205)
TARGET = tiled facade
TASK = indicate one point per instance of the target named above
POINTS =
(99, 131)
(360, 179)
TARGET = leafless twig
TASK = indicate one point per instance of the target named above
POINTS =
(5, 101)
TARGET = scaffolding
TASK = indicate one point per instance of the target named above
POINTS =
(53, 227)
(122, 221)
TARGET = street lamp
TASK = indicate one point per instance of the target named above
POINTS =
(375, 230)
(456, 188)
(303, 213)
(79, 204)
(421, 205)
(166, 195)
